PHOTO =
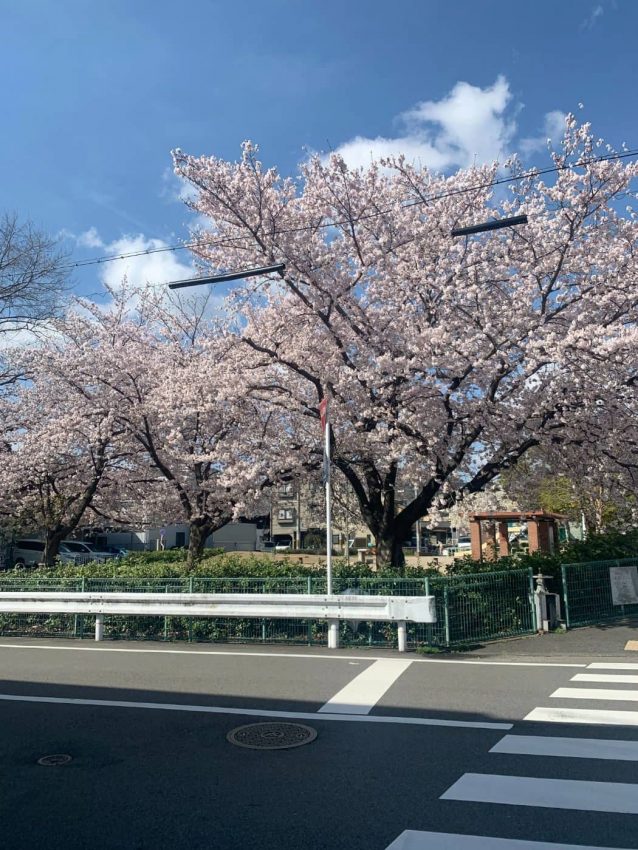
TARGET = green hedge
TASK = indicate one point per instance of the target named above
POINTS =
(215, 564)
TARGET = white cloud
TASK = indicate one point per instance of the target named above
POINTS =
(175, 188)
(593, 16)
(151, 267)
(154, 264)
(90, 239)
(154, 269)
(553, 130)
(21, 337)
(471, 124)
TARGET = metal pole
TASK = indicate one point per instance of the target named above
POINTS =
(532, 600)
(326, 449)
(190, 619)
(333, 634)
(309, 623)
(565, 599)
(99, 626)
(418, 534)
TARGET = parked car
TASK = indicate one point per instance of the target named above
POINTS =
(283, 542)
(28, 552)
(118, 551)
(464, 546)
(87, 551)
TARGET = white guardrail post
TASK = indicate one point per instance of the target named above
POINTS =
(402, 635)
(399, 609)
(333, 634)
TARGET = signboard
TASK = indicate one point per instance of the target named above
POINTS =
(624, 585)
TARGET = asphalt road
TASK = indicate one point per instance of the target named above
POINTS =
(402, 755)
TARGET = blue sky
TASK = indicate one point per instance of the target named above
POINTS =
(97, 94)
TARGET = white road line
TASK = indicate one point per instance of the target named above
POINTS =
(361, 694)
(415, 840)
(92, 648)
(605, 665)
(195, 652)
(599, 717)
(620, 797)
(610, 678)
(580, 748)
(596, 693)
(254, 712)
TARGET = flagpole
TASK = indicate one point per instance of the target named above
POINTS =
(328, 507)
(325, 427)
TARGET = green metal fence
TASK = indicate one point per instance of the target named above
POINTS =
(470, 608)
(587, 596)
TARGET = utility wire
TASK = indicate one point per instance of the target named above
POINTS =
(532, 173)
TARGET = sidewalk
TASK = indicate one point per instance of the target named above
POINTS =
(605, 640)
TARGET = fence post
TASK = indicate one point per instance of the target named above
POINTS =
(447, 616)
(166, 619)
(77, 620)
(428, 627)
(563, 574)
(622, 607)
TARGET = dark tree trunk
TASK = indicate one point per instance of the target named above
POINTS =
(52, 540)
(390, 549)
(199, 530)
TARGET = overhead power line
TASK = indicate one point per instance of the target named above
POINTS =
(530, 174)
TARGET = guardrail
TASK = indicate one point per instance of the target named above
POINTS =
(415, 609)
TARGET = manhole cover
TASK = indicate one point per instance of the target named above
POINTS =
(271, 736)
(55, 760)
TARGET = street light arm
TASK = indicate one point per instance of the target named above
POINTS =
(221, 278)
(497, 224)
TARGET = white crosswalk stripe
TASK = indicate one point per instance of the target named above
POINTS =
(416, 840)
(553, 746)
(594, 716)
(586, 796)
(610, 678)
(580, 795)
(596, 693)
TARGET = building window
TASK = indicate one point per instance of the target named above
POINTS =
(286, 490)
(286, 514)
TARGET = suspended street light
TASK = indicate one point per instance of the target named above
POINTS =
(221, 278)
(496, 224)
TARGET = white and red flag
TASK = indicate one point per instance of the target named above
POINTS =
(325, 430)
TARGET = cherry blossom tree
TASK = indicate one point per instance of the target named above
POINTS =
(60, 445)
(444, 360)
(198, 438)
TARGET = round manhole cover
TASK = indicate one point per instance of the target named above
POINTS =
(271, 736)
(55, 760)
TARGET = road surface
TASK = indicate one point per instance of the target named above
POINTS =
(411, 753)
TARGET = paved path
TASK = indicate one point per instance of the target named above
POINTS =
(411, 754)
(605, 640)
